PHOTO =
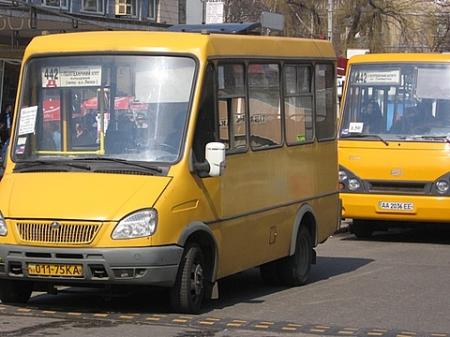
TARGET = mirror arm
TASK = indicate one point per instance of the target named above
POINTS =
(202, 168)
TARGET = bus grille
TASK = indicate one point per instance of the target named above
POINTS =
(397, 187)
(55, 232)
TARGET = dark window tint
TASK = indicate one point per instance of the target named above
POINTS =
(325, 101)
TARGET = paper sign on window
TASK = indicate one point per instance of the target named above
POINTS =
(27, 120)
(356, 127)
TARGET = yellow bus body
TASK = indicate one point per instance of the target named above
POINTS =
(250, 215)
(400, 162)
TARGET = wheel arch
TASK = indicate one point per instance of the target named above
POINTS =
(201, 234)
(304, 217)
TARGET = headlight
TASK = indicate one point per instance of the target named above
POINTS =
(342, 176)
(3, 229)
(353, 184)
(136, 225)
(442, 186)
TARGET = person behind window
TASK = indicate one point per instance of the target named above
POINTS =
(372, 118)
(142, 131)
(5, 123)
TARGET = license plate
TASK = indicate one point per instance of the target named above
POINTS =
(58, 270)
(396, 206)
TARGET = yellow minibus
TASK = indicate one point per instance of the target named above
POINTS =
(168, 159)
(394, 144)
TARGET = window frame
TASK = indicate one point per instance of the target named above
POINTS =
(281, 99)
(334, 100)
(97, 12)
(152, 15)
(66, 6)
(312, 93)
(217, 64)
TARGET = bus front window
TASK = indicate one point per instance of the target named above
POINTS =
(132, 108)
(407, 101)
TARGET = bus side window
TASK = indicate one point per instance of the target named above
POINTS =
(325, 80)
(232, 106)
(205, 129)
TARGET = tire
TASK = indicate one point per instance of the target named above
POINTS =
(12, 291)
(190, 287)
(361, 229)
(269, 273)
(294, 270)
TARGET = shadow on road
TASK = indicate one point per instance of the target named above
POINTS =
(245, 287)
(427, 234)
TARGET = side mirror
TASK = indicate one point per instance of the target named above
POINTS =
(215, 157)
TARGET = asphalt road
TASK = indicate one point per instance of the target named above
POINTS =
(396, 284)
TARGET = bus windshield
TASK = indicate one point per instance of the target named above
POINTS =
(404, 101)
(123, 107)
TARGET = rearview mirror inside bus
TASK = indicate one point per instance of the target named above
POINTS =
(215, 157)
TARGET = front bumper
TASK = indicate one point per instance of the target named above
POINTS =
(366, 206)
(156, 266)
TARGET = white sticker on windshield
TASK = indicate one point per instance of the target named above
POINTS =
(27, 120)
(356, 127)
(75, 76)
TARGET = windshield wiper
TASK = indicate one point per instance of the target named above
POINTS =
(361, 135)
(28, 165)
(121, 161)
(444, 138)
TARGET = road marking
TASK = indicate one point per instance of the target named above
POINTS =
(234, 324)
(286, 328)
(345, 332)
(23, 310)
(206, 322)
(212, 319)
(49, 312)
(74, 313)
(126, 317)
(177, 320)
(317, 330)
(408, 333)
(153, 319)
(294, 325)
(322, 327)
(260, 326)
(267, 323)
(371, 333)
(439, 334)
(101, 315)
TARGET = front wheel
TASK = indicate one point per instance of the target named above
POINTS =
(190, 286)
(294, 270)
(12, 291)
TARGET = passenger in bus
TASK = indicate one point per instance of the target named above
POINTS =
(81, 135)
(372, 118)
(142, 131)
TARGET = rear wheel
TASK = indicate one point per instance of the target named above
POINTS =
(362, 229)
(13, 291)
(294, 270)
(190, 287)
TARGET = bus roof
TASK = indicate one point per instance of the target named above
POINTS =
(400, 57)
(201, 45)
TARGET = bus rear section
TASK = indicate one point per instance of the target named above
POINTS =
(394, 141)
